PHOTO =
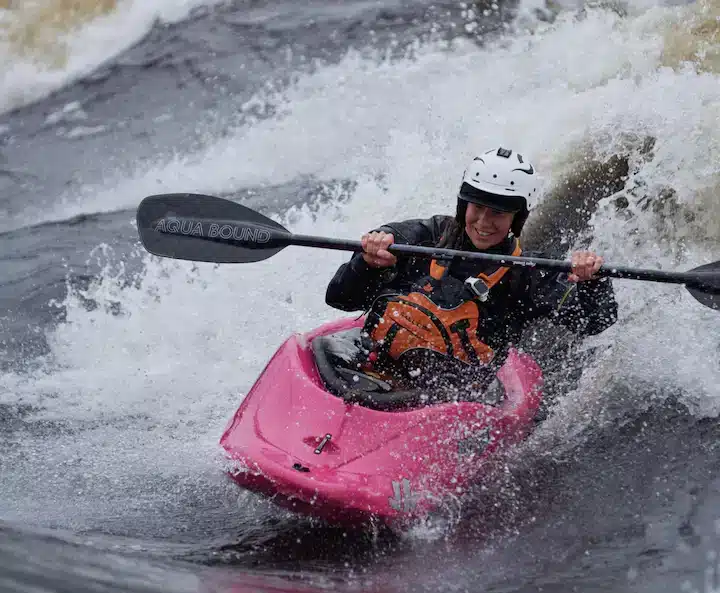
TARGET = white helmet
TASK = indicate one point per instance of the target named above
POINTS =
(501, 180)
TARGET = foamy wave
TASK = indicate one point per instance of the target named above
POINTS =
(45, 45)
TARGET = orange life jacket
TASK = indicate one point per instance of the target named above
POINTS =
(442, 316)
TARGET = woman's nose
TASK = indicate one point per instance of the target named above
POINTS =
(480, 215)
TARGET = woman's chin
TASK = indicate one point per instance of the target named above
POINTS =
(483, 242)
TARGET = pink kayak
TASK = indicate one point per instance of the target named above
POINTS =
(313, 451)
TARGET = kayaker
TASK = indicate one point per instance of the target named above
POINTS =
(465, 314)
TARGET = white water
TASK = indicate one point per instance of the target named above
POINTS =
(159, 381)
(62, 46)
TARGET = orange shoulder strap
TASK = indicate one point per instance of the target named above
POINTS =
(437, 270)
(497, 275)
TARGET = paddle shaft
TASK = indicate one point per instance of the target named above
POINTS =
(549, 264)
(204, 228)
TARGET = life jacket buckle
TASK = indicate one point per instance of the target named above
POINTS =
(478, 287)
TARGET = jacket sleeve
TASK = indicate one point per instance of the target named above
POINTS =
(356, 285)
(586, 308)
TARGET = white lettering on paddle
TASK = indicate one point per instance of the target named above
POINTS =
(238, 233)
(195, 228)
(179, 227)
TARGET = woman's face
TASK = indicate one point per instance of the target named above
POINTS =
(486, 227)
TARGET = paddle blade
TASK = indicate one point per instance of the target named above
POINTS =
(706, 289)
(204, 228)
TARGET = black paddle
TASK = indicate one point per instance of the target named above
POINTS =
(204, 228)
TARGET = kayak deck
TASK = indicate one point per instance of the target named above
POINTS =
(311, 451)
